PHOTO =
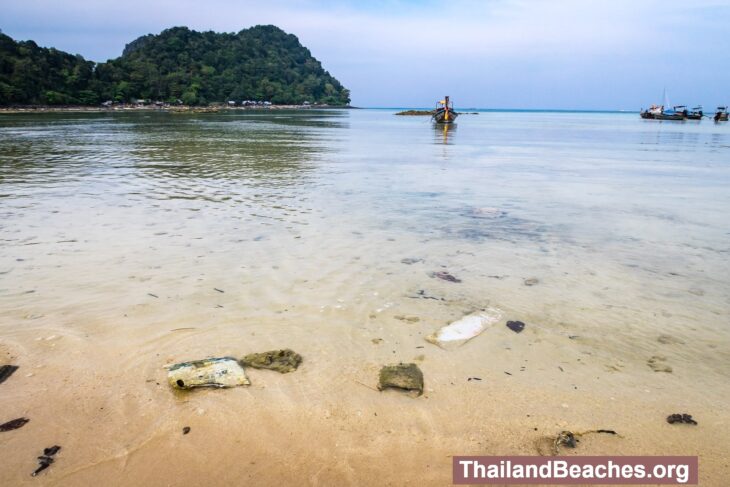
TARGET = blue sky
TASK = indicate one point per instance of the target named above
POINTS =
(573, 54)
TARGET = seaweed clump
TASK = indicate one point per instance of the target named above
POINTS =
(6, 371)
(680, 418)
(282, 361)
(45, 460)
(14, 424)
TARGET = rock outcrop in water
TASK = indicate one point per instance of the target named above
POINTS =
(416, 112)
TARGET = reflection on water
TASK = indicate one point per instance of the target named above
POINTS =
(444, 131)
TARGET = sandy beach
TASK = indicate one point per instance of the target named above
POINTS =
(129, 243)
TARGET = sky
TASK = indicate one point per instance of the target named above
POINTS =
(548, 54)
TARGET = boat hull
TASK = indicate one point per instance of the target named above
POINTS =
(662, 116)
(440, 116)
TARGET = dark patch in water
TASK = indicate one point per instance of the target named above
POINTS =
(445, 276)
(421, 294)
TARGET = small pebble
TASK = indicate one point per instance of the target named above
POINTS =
(516, 326)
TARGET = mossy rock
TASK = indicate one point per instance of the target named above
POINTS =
(407, 377)
(282, 361)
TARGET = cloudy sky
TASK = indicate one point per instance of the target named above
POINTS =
(573, 54)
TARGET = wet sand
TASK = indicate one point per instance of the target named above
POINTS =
(106, 279)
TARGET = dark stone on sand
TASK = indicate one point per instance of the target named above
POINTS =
(445, 276)
(282, 361)
(566, 438)
(516, 326)
(6, 371)
(407, 377)
(186, 430)
(680, 418)
(13, 424)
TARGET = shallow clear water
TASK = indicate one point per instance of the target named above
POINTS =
(161, 237)
(556, 196)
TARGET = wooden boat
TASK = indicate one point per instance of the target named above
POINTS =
(695, 114)
(671, 116)
(721, 114)
(658, 113)
(444, 113)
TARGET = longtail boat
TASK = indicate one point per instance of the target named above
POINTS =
(444, 112)
(721, 114)
(658, 113)
(696, 113)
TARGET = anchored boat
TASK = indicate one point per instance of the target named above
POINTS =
(444, 113)
(696, 113)
(721, 114)
(657, 112)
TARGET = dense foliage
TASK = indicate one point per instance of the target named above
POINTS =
(261, 63)
(30, 75)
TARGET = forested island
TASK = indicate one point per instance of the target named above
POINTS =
(177, 66)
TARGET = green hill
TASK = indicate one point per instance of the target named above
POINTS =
(35, 75)
(261, 63)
